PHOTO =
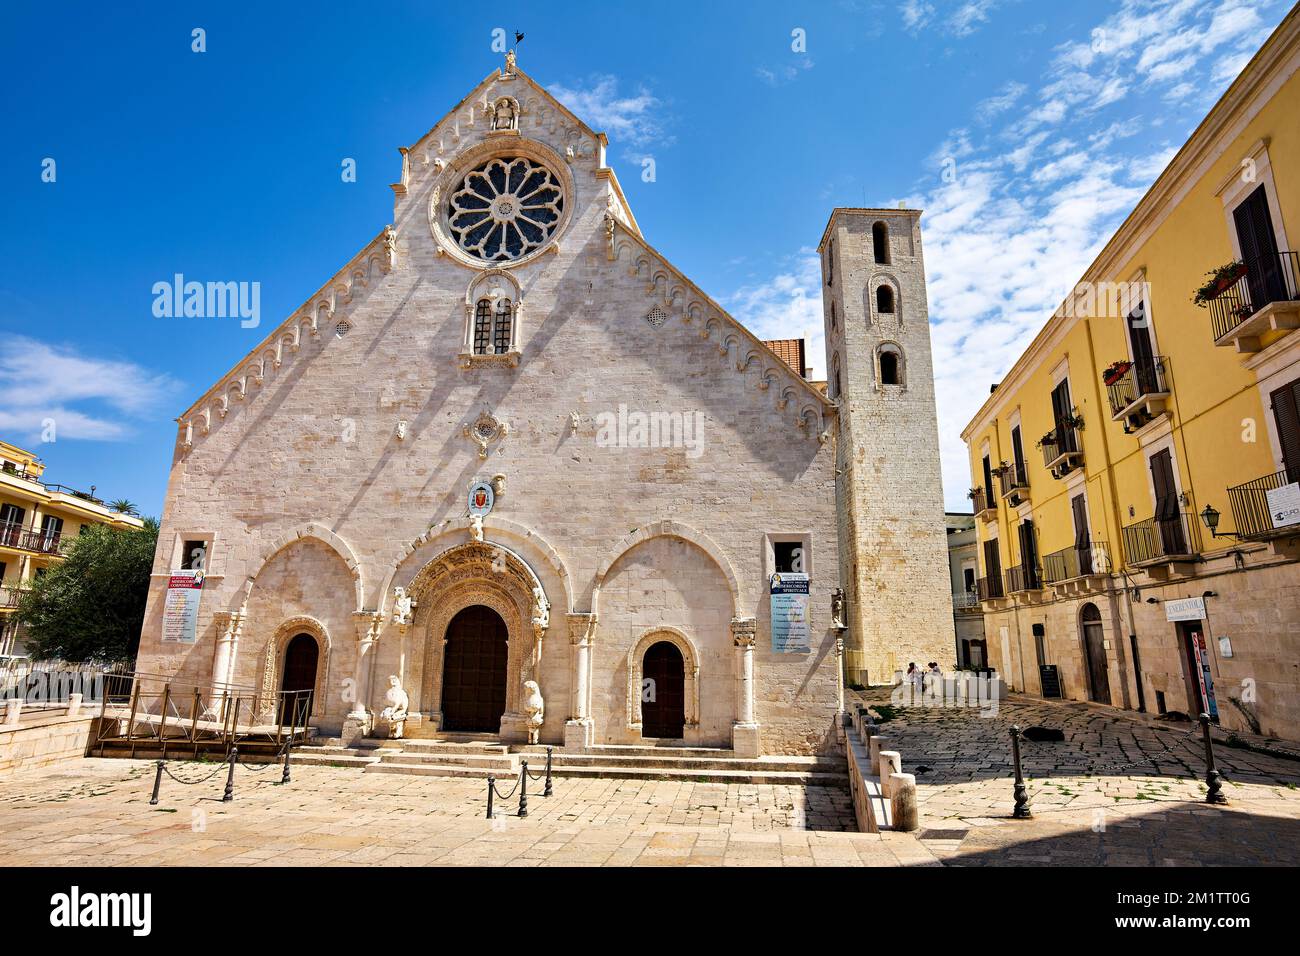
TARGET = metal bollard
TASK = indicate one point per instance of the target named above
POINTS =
(492, 783)
(230, 777)
(1022, 811)
(523, 788)
(1214, 789)
(288, 745)
(157, 784)
(548, 791)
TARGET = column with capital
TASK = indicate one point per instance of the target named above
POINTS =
(359, 720)
(579, 729)
(745, 732)
(229, 626)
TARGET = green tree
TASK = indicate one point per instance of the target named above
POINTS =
(90, 606)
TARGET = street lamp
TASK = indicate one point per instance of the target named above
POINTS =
(1210, 518)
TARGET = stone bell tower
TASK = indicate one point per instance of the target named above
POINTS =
(893, 546)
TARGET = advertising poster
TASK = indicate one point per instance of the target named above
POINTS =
(181, 608)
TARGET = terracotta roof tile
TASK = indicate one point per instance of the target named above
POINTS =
(790, 351)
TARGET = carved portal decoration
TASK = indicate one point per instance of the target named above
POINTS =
(480, 573)
(691, 669)
(485, 430)
(273, 665)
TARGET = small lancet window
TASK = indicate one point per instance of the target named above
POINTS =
(889, 368)
(501, 336)
(885, 300)
(483, 327)
(880, 242)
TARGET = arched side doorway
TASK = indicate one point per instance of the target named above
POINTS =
(1094, 649)
(474, 671)
(663, 696)
(298, 678)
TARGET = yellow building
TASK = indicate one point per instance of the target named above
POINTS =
(36, 522)
(1137, 419)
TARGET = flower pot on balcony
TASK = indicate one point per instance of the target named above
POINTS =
(1218, 283)
(1115, 372)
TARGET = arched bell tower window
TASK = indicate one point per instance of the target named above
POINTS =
(889, 364)
(492, 317)
(885, 300)
(880, 243)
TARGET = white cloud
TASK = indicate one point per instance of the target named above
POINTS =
(778, 75)
(916, 14)
(637, 121)
(961, 21)
(86, 396)
(787, 306)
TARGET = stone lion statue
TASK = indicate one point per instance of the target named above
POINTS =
(534, 707)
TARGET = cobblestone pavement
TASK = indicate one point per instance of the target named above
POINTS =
(1116, 791)
(96, 812)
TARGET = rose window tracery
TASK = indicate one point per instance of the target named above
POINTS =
(505, 209)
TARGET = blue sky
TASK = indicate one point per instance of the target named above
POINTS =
(1026, 129)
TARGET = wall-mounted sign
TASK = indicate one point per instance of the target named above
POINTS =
(481, 499)
(180, 616)
(790, 630)
(1284, 505)
(1225, 647)
(1185, 609)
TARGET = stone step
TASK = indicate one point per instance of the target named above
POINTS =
(438, 770)
(750, 765)
(307, 758)
(503, 763)
(687, 775)
(444, 746)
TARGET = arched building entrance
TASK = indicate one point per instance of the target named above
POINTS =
(663, 700)
(298, 680)
(474, 671)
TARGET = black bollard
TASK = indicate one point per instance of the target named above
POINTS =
(1022, 811)
(284, 777)
(547, 792)
(157, 783)
(1214, 789)
(523, 788)
(492, 783)
(230, 777)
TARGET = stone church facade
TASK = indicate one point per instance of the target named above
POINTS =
(509, 442)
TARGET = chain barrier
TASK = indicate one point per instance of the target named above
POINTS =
(228, 764)
(220, 767)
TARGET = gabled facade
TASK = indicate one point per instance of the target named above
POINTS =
(649, 464)
(1136, 474)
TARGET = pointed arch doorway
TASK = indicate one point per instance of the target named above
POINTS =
(474, 671)
(298, 682)
(663, 701)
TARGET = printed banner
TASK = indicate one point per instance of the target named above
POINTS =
(790, 631)
(1284, 505)
(180, 618)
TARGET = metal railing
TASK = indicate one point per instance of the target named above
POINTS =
(39, 542)
(1015, 477)
(1062, 440)
(1267, 279)
(1249, 503)
(153, 712)
(989, 587)
(1154, 539)
(1076, 562)
(1023, 577)
(9, 597)
(1139, 381)
(73, 492)
(981, 500)
(965, 600)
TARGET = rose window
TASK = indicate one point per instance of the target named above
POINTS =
(505, 209)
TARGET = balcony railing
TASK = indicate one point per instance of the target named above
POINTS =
(73, 492)
(9, 597)
(1062, 450)
(1142, 381)
(989, 588)
(1162, 539)
(39, 542)
(1014, 480)
(1023, 577)
(1076, 562)
(982, 501)
(1250, 508)
(965, 600)
(1267, 279)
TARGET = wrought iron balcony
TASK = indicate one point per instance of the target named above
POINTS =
(1014, 479)
(990, 588)
(982, 504)
(1062, 449)
(1023, 577)
(1138, 395)
(9, 597)
(1252, 512)
(39, 542)
(1076, 562)
(966, 601)
(73, 493)
(1264, 298)
(1156, 540)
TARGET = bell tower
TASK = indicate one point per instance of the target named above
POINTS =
(893, 542)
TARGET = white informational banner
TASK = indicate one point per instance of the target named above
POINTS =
(1185, 609)
(180, 617)
(790, 631)
(1284, 505)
